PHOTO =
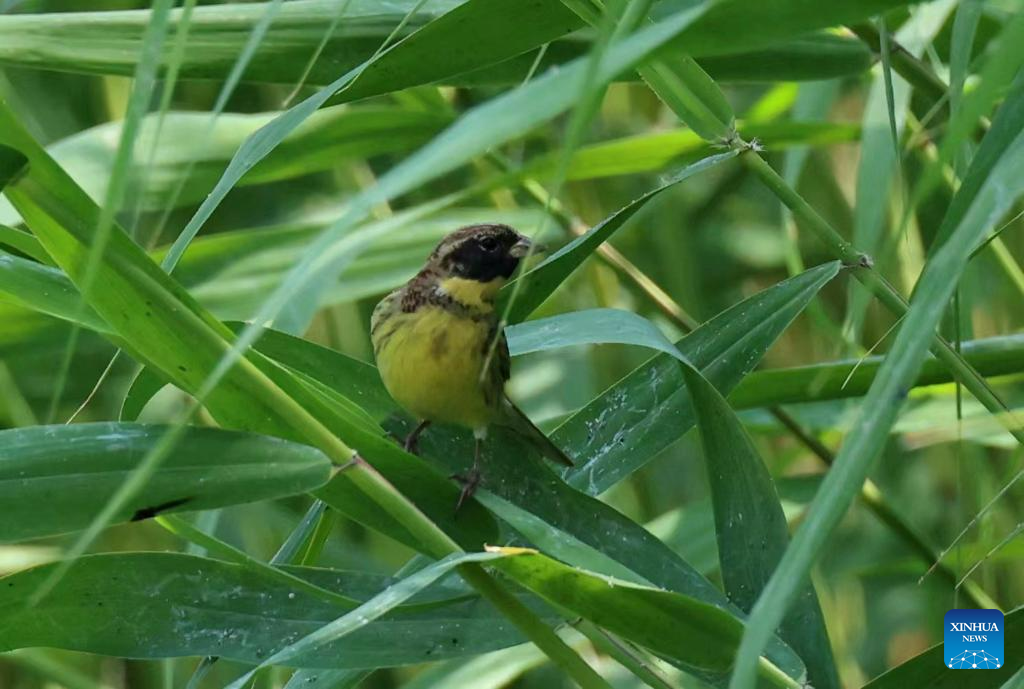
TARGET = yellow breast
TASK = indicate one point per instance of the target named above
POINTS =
(431, 362)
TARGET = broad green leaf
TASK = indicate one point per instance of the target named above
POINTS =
(166, 605)
(928, 670)
(970, 219)
(527, 293)
(591, 326)
(55, 479)
(624, 428)
(965, 24)
(751, 527)
(676, 627)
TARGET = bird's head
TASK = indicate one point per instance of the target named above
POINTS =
(473, 263)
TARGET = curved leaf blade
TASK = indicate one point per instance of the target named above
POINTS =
(590, 326)
(750, 526)
(620, 431)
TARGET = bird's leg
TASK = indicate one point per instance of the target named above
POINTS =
(412, 441)
(471, 479)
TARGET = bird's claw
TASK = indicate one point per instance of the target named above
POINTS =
(469, 481)
(412, 444)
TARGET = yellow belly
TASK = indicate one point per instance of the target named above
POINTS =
(430, 362)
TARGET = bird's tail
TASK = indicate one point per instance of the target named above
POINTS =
(513, 417)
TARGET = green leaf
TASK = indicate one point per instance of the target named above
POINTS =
(167, 605)
(676, 627)
(620, 431)
(55, 479)
(591, 326)
(751, 527)
(928, 670)
(532, 289)
(970, 218)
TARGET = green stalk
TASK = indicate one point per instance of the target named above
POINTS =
(624, 655)
(767, 671)
(540, 634)
(878, 286)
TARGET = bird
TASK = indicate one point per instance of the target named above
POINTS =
(440, 347)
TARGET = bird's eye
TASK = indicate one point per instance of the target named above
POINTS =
(489, 244)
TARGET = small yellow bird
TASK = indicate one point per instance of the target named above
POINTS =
(438, 346)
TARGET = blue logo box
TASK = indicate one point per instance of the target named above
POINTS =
(973, 639)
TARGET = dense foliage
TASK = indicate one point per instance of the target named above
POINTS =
(779, 332)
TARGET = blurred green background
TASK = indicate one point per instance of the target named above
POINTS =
(706, 244)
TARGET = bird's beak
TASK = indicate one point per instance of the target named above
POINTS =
(523, 247)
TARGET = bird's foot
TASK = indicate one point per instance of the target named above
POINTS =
(469, 481)
(412, 444)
